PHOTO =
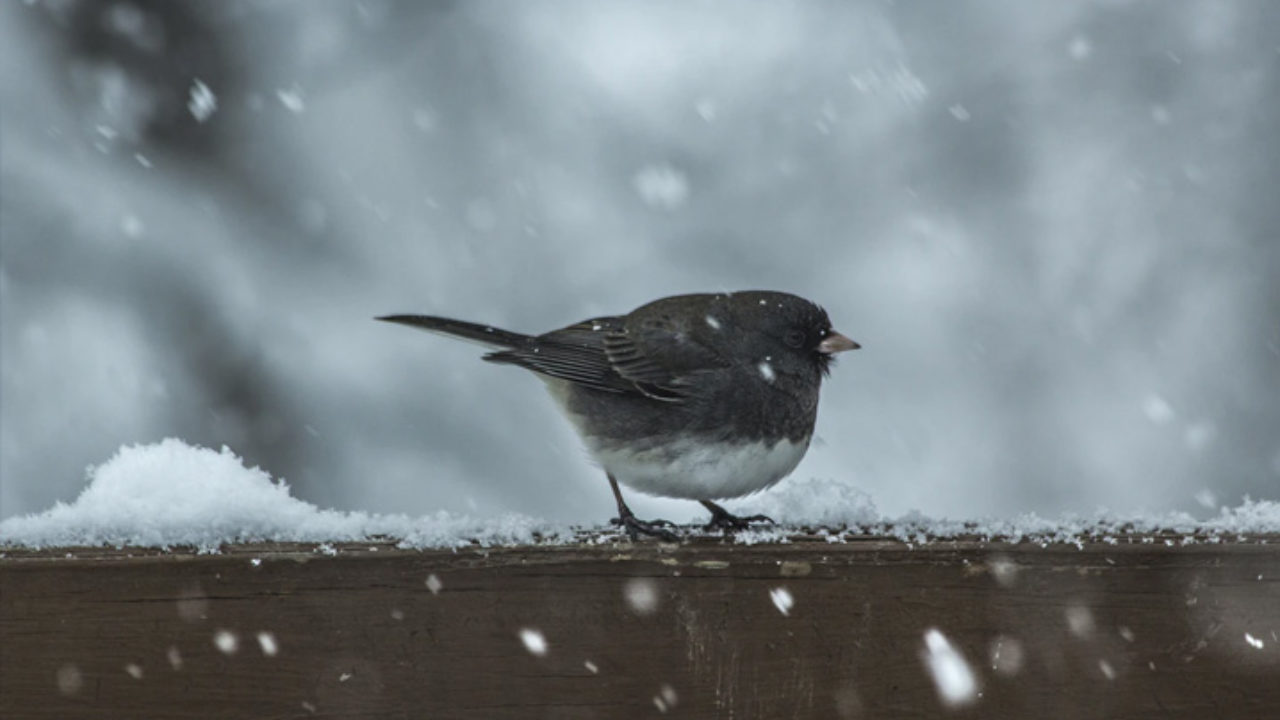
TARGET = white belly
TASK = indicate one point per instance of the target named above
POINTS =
(687, 469)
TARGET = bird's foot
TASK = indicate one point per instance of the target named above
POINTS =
(636, 527)
(722, 519)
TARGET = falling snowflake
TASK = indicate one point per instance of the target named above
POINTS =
(1080, 48)
(202, 103)
(267, 641)
(641, 595)
(955, 681)
(292, 99)
(433, 584)
(661, 187)
(69, 679)
(782, 600)
(1157, 410)
(1006, 655)
(766, 371)
(1080, 621)
(1207, 499)
(533, 641)
(666, 698)
(226, 641)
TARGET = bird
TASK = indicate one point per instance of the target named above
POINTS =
(703, 396)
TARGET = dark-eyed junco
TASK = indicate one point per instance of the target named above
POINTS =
(703, 397)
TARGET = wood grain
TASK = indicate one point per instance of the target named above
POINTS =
(1128, 630)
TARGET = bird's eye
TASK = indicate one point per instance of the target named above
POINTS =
(794, 338)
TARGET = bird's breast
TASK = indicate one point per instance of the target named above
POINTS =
(698, 470)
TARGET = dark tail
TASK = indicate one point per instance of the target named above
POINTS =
(484, 334)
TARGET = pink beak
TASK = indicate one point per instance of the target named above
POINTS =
(834, 342)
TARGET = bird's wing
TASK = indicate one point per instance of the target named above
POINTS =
(575, 353)
(650, 357)
(660, 356)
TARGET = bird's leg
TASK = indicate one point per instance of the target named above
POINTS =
(636, 527)
(722, 519)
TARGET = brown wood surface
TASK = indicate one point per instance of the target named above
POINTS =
(360, 633)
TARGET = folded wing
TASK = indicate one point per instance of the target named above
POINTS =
(650, 357)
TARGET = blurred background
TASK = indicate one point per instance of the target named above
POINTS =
(1054, 227)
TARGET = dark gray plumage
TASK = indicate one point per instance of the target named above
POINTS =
(700, 396)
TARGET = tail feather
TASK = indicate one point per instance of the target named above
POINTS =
(486, 335)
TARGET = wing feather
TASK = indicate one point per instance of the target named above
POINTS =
(654, 359)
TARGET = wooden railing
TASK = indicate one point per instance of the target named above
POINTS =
(867, 628)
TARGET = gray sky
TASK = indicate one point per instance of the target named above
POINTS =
(1052, 226)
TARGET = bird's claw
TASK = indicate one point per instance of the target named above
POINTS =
(722, 519)
(636, 527)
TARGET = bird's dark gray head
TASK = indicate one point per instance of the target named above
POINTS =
(786, 326)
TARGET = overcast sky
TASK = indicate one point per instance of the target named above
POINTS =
(1053, 226)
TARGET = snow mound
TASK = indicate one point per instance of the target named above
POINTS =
(815, 502)
(171, 493)
(1251, 517)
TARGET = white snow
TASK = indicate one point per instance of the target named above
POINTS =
(226, 641)
(591, 667)
(1157, 410)
(1080, 621)
(1254, 642)
(533, 641)
(1199, 436)
(1080, 48)
(706, 109)
(666, 698)
(782, 600)
(713, 322)
(134, 670)
(1107, 671)
(172, 494)
(814, 502)
(433, 584)
(202, 103)
(131, 226)
(292, 99)
(1006, 655)
(766, 371)
(267, 641)
(1004, 570)
(951, 674)
(661, 187)
(898, 81)
(1206, 498)
(641, 595)
(69, 679)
